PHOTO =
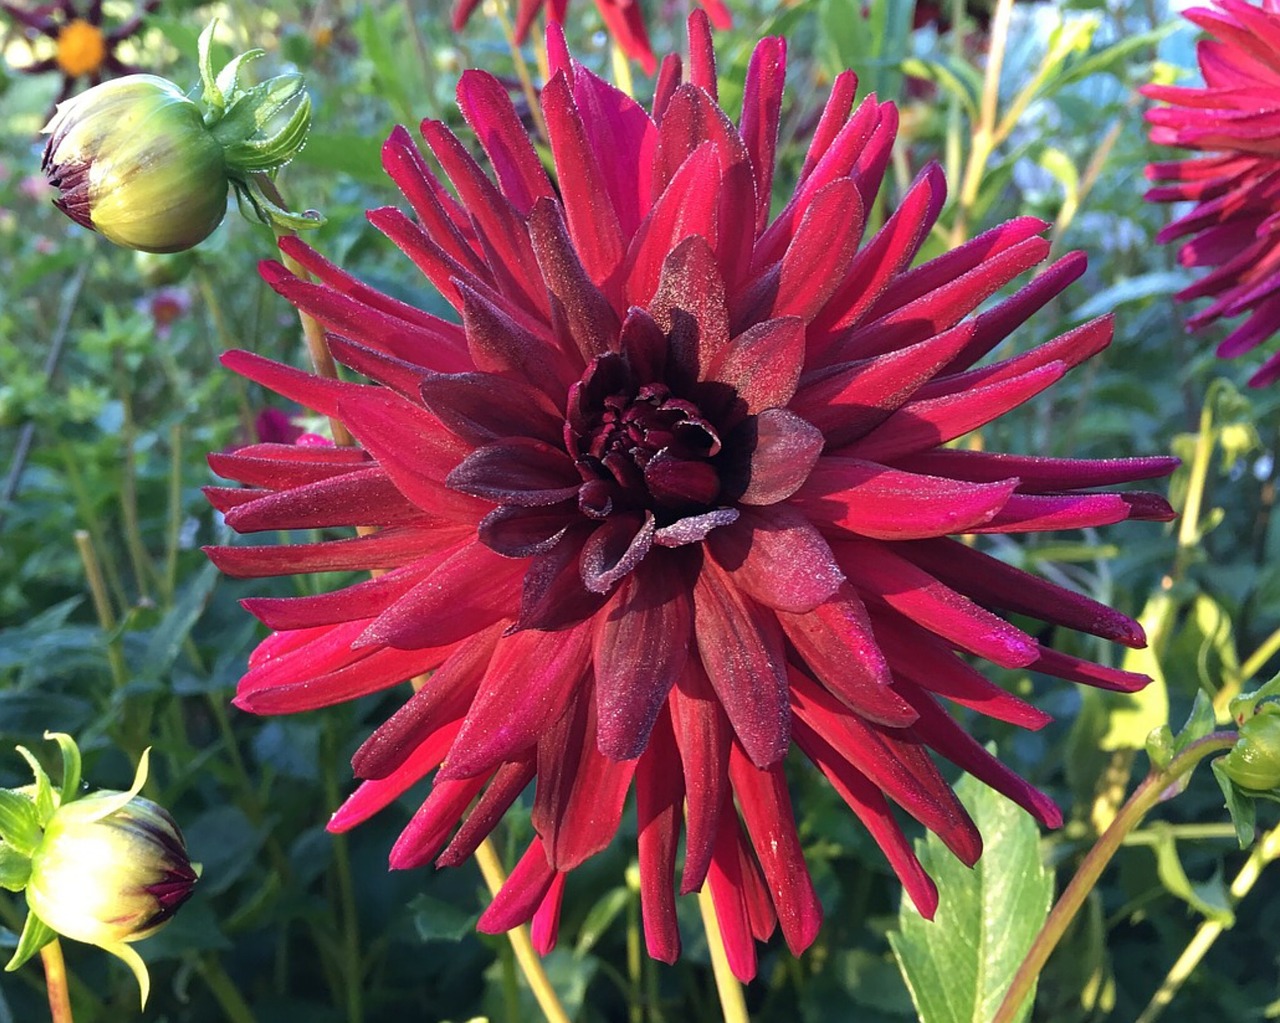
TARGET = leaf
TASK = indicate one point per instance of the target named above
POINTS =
(19, 822)
(1240, 804)
(959, 965)
(436, 920)
(1210, 898)
(1156, 284)
(1130, 717)
(357, 156)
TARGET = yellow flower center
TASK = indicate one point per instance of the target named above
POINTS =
(81, 48)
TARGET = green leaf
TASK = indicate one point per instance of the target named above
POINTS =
(1130, 717)
(15, 869)
(1156, 284)
(35, 935)
(1240, 804)
(959, 965)
(19, 821)
(957, 78)
(1209, 899)
(436, 920)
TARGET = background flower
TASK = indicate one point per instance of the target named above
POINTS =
(676, 492)
(1235, 225)
(84, 48)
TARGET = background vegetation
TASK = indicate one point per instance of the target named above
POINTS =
(114, 627)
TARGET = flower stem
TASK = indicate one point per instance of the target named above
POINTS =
(530, 965)
(224, 990)
(1149, 792)
(1263, 853)
(55, 978)
(102, 605)
(732, 1003)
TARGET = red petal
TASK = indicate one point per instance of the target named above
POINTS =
(783, 449)
(527, 686)
(520, 897)
(640, 649)
(703, 735)
(518, 470)
(766, 810)
(659, 796)
(778, 558)
(876, 570)
(740, 644)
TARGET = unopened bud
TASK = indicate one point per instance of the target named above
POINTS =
(111, 879)
(134, 161)
(1254, 761)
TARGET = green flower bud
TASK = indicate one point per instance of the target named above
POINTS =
(1254, 761)
(109, 879)
(134, 160)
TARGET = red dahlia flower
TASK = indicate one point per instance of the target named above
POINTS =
(675, 495)
(623, 20)
(1235, 225)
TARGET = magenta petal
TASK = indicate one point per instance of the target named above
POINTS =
(659, 799)
(876, 570)
(640, 649)
(503, 789)
(838, 646)
(867, 499)
(448, 605)
(522, 471)
(429, 828)
(517, 532)
(777, 557)
(766, 811)
(578, 803)
(690, 307)
(740, 644)
(761, 111)
(763, 363)
(694, 528)
(783, 450)
(553, 595)
(486, 104)
(520, 897)
(614, 549)
(528, 685)
(703, 735)
(483, 407)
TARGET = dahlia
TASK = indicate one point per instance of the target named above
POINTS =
(82, 47)
(1235, 225)
(675, 495)
(623, 20)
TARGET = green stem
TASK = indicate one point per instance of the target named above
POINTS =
(143, 570)
(55, 979)
(102, 607)
(173, 527)
(224, 990)
(733, 1005)
(530, 965)
(1263, 853)
(351, 958)
(1145, 796)
(635, 997)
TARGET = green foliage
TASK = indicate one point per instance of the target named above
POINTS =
(959, 965)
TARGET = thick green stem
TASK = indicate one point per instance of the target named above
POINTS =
(55, 979)
(224, 990)
(1145, 796)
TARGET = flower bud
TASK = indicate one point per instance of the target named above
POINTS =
(1254, 761)
(133, 160)
(107, 879)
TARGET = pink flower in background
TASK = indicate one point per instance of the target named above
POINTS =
(676, 496)
(1234, 228)
(623, 19)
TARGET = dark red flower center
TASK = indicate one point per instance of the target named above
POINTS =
(639, 445)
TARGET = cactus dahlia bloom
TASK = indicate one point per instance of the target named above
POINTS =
(623, 20)
(1234, 228)
(674, 497)
(83, 47)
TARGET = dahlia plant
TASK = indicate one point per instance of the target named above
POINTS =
(676, 496)
(1234, 226)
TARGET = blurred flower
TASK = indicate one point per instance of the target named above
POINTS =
(623, 20)
(108, 868)
(83, 47)
(273, 426)
(166, 306)
(36, 188)
(1235, 225)
(676, 493)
